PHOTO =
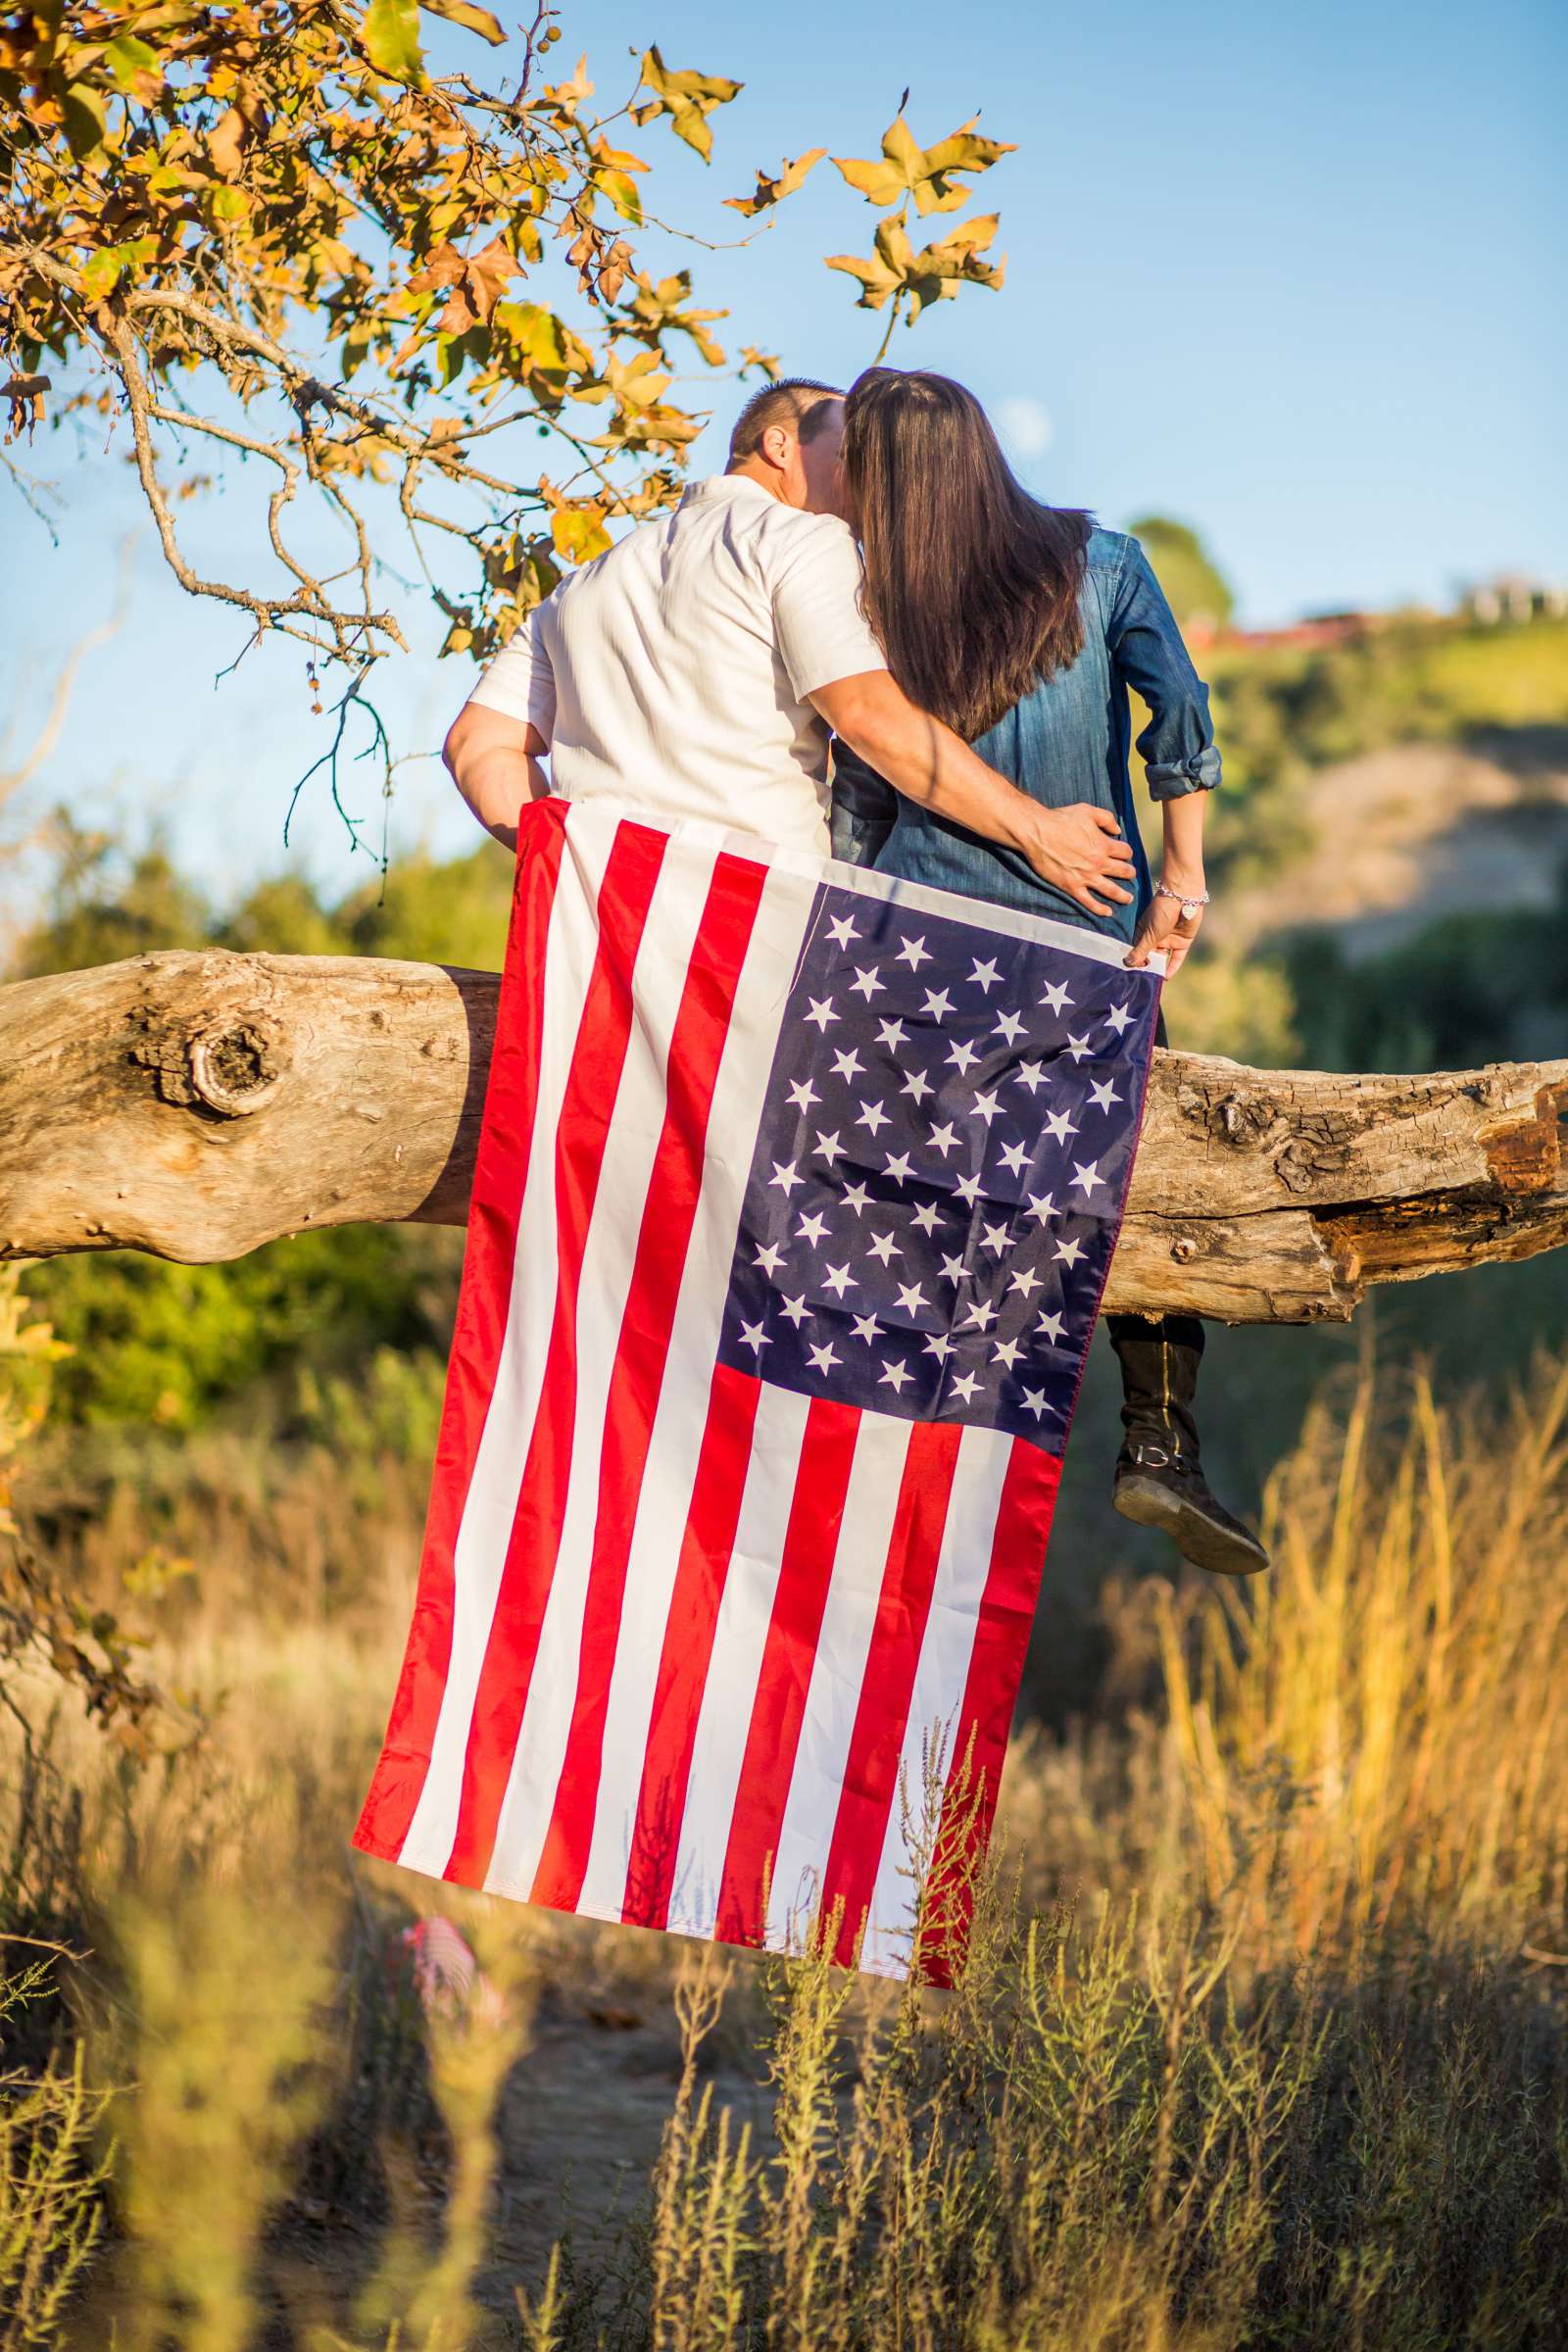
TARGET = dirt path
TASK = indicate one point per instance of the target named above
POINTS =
(1410, 834)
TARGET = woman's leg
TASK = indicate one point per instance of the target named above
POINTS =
(1160, 1478)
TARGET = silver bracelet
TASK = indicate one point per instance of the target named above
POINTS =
(1188, 903)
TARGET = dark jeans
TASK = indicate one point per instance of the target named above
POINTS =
(1177, 1330)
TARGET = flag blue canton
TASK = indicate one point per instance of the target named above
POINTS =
(940, 1168)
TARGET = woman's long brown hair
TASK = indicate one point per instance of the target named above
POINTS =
(971, 585)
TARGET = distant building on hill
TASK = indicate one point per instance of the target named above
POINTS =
(1317, 628)
(1514, 596)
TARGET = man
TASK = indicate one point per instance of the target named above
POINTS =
(697, 668)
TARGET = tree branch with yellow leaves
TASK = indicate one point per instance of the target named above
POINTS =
(287, 235)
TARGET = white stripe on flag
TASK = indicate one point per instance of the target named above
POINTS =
(480, 1550)
(675, 1438)
(740, 1634)
(609, 1252)
(838, 1672)
(962, 1566)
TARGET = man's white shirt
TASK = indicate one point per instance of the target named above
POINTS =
(673, 672)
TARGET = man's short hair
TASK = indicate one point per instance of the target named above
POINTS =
(798, 401)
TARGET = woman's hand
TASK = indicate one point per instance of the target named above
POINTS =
(1167, 929)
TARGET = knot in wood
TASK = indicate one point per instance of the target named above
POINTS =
(1183, 1249)
(235, 1069)
(1242, 1124)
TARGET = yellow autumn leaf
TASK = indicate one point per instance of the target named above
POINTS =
(687, 97)
(579, 533)
(884, 273)
(929, 176)
(471, 19)
(770, 191)
(954, 261)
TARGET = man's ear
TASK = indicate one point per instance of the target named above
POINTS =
(775, 445)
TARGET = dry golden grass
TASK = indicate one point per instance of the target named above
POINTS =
(1263, 2039)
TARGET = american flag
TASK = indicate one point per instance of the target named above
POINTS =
(795, 1198)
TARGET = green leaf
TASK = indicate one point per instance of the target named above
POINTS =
(392, 39)
(85, 124)
(130, 61)
(533, 332)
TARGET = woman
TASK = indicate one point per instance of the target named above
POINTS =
(1023, 627)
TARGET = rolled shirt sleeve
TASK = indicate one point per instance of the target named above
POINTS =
(520, 682)
(1177, 746)
(820, 630)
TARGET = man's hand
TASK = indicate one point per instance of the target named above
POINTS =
(494, 762)
(1079, 849)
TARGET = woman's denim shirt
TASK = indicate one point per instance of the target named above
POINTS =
(1067, 741)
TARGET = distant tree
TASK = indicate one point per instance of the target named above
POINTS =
(1198, 592)
(101, 910)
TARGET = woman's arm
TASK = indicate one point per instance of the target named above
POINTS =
(1180, 756)
(1177, 746)
(1164, 929)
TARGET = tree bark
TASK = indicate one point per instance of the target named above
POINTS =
(196, 1105)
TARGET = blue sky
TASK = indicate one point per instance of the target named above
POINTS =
(1294, 277)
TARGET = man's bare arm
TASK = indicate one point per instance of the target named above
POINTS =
(494, 762)
(1079, 849)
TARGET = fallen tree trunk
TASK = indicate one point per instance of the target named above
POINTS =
(196, 1105)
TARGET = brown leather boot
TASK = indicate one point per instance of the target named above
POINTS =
(1160, 1477)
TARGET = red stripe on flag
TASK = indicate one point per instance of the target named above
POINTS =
(706, 1545)
(696, 1044)
(991, 1691)
(586, 1110)
(806, 1571)
(500, 1175)
(876, 1742)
